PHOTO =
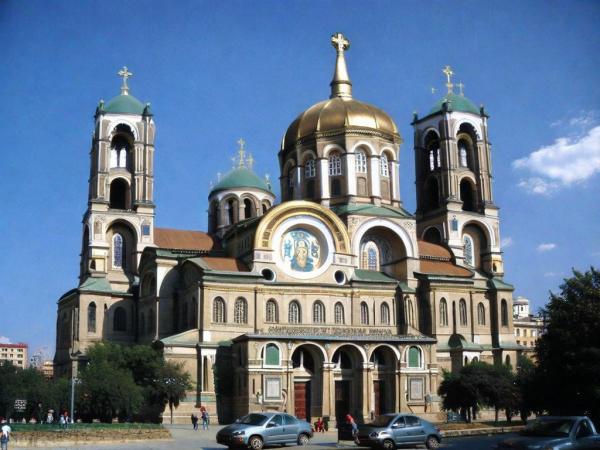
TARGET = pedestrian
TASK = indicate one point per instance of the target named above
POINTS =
(49, 417)
(320, 426)
(66, 415)
(204, 415)
(350, 420)
(5, 436)
(61, 420)
(195, 422)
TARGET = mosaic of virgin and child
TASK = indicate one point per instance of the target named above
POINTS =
(302, 250)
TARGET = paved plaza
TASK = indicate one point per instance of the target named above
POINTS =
(184, 438)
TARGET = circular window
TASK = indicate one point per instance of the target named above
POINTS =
(340, 277)
(268, 274)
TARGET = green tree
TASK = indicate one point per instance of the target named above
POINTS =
(171, 385)
(568, 351)
(528, 387)
(458, 394)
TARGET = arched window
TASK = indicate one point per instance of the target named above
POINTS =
(364, 313)
(240, 311)
(480, 314)
(310, 169)
(272, 313)
(370, 256)
(318, 312)
(118, 154)
(290, 178)
(294, 312)
(443, 313)
(119, 198)
(384, 168)
(469, 251)
(120, 319)
(414, 357)
(361, 162)
(462, 309)
(339, 314)
(248, 208)
(271, 355)
(463, 153)
(385, 314)
(467, 195)
(335, 164)
(118, 251)
(504, 313)
(409, 312)
(142, 324)
(92, 318)
(219, 310)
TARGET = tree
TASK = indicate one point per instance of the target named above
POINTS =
(458, 394)
(172, 384)
(568, 351)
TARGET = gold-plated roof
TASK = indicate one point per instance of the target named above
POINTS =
(341, 112)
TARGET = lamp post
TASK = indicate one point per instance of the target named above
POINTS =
(73, 381)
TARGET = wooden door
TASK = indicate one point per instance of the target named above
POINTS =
(342, 400)
(377, 394)
(302, 400)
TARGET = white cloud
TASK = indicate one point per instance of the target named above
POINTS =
(4, 340)
(565, 162)
(546, 247)
(506, 242)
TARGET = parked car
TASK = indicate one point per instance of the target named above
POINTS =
(260, 429)
(392, 430)
(555, 433)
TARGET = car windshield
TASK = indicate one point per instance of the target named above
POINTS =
(549, 427)
(253, 419)
(381, 421)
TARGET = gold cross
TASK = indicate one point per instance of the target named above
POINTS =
(460, 88)
(250, 161)
(448, 72)
(339, 42)
(241, 152)
(125, 73)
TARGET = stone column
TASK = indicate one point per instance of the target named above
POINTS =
(394, 183)
(350, 174)
(367, 384)
(298, 183)
(327, 389)
(402, 391)
(375, 178)
(323, 173)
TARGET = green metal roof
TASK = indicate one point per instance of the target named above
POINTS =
(368, 209)
(95, 284)
(124, 104)
(500, 285)
(241, 178)
(187, 338)
(456, 103)
(372, 275)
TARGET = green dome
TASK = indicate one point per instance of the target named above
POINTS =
(457, 103)
(241, 178)
(124, 104)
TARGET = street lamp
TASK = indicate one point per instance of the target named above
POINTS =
(73, 381)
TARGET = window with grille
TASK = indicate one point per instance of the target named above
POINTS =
(462, 307)
(481, 314)
(310, 169)
(339, 313)
(384, 166)
(219, 310)
(272, 313)
(443, 313)
(468, 250)
(118, 251)
(361, 162)
(385, 314)
(364, 313)
(240, 311)
(335, 164)
(318, 312)
(294, 312)
(92, 318)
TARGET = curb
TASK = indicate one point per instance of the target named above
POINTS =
(480, 431)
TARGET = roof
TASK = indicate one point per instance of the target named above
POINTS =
(17, 345)
(372, 275)
(367, 209)
(336, 115)
(220, 264)
(433, 250)
(455, 103)
(124, 104)
(403, 338)
(241, 177)
(169, 238)
(437, 260)
(95, 284)
(188, 338)
(500, 285)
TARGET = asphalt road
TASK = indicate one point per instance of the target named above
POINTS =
(184, 438)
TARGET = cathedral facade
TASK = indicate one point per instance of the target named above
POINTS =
(336, 300)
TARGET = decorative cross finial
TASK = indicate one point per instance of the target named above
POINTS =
(433, 90)
(460, 88)
(124, 73)
(241, 152)
(249, 161)
(448, 72)
(339, 42)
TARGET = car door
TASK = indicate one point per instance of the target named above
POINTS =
(399, 430)
(274, 430)
(414, 430)
(291, 428)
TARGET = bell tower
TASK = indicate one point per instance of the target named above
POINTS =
(119, 220)
(455, 204)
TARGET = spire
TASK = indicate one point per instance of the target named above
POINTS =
(341, 86)
(124, 73)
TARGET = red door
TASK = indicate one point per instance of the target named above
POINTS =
(376, 389)
(300, 400)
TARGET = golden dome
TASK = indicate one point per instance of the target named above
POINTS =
(340, 113)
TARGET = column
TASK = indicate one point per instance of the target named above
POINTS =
(350, 164)
(323, 167)
(327, 388)
(375, 177)
(367, 384)
(298, 183)
(395, 182)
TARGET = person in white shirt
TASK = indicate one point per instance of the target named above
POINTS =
(5, 437)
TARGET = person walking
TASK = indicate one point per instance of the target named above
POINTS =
(350, 420)
(5, 436)
(195, 421)
(204, 416)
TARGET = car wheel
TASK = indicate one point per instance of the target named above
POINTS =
(388, 444)
(255, 443)
(432, 442)
(303, 439)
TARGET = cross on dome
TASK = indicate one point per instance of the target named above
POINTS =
(241, 152)
(460, 88)
(124, 73)
(341, 86)
(339, 42)
(448, 72)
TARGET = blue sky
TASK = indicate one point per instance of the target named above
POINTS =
(216, 71)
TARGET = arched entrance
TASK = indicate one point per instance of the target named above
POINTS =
(307, 382)
(348, 383)
(384, 362)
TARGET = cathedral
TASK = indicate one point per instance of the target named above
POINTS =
(333, 300)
